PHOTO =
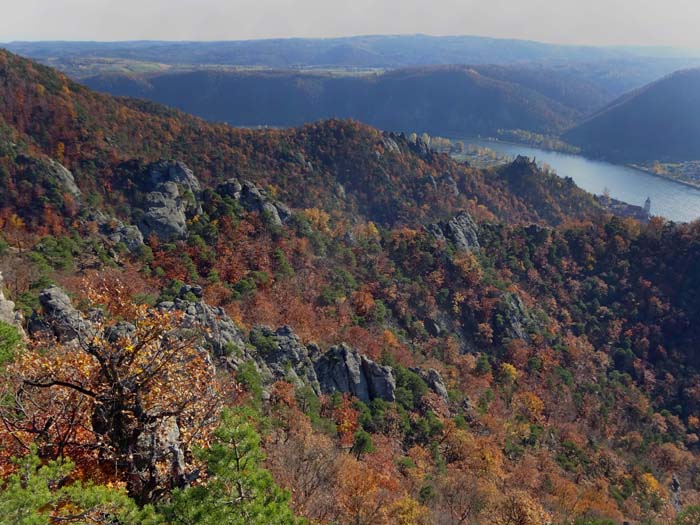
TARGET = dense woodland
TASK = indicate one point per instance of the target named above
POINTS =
(564, 337)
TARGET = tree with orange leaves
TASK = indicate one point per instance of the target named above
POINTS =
(129, 394)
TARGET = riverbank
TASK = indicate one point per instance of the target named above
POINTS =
(651, 171)
(670, 199)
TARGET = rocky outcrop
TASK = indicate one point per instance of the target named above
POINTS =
(158, 460)
(221, 335)
(116, 231)
(63, 178)
(461, 231)
(282, 357)
(171, 198)
(8, 314)
(433, 379)
(675, 490)
(256, 199)
(514, 318)
(59, 317)
(343, 369)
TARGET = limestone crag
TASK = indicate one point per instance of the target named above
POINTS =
(256, 199)
(221, 335)
(461, 231)
(170, 200)
(343, 369)
(116, 231)
(8, 314)
(282, 357)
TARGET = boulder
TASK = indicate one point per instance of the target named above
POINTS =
(343, 369)
(171, 198)
(434, 381)
(63, 177)
(221, 337)
(282, 357)
(59, 317)
(116, 231)
(461, 230)
(8, 314)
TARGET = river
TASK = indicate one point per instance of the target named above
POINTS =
(675, 201)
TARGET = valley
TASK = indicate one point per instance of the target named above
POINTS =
(240, 283)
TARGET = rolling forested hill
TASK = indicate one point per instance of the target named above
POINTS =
(660, 121)
(329, 323)
(456, 100)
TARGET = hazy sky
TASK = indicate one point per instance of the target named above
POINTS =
(649, 22)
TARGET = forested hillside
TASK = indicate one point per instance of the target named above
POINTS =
(326, 324)
(659, 122)
(455, 100)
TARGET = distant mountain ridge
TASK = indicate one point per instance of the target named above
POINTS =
(660, 121)
(383, 51)
(440, 99)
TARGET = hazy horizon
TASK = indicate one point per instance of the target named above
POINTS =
(617, 23)
(358, 36)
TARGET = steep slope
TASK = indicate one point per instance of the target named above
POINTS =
(658, 122)
(407, 341)
(384, 177)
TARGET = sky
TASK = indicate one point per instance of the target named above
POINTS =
(593, 22)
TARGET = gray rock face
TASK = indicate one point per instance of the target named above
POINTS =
(171, 199)
(390, 144)
(342, 369)
(64, 178)
(116, 231)
(434, 381)
(60, 318)
(7, 310)
(173, 171)
(451, 184)
(515, 317)
(461, 230)
(222, 337)
(256, 199)
(284, 358)
(159, 459)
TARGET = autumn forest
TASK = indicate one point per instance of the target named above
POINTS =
(327, 324)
